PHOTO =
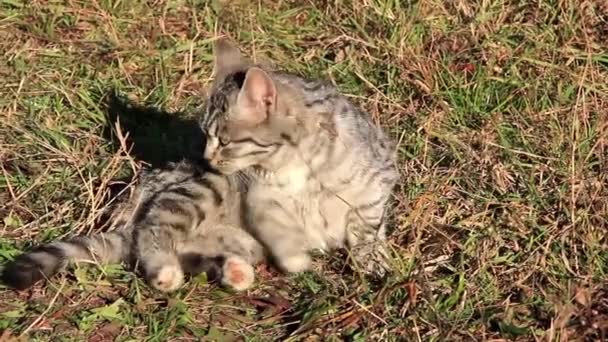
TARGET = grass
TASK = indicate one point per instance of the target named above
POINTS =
(499, 109)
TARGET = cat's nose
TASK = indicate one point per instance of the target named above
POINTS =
(217, 162)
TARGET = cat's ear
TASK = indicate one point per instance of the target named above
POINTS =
(257, 98)
(227, 59)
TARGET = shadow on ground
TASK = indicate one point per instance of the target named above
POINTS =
(155, 136)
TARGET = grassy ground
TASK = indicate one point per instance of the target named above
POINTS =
(500, 109)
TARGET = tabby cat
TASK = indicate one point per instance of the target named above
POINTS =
(322, 171)
(303, 169)
(182, 219)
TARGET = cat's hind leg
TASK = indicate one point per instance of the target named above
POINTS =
(156, 256)
(164, 272)
(237, 273)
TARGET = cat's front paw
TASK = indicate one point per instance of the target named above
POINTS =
(237, 273)
(372, 259)
(168, 278)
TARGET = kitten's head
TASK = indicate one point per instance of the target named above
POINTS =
(247, 119)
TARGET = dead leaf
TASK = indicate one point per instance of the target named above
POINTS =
(7, 336)
(412, 293)
(581, 296)
(272, 305)
(106, 332)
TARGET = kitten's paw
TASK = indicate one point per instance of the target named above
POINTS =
(237, 273)
(372, 259)
(168, 278)
(295, 263)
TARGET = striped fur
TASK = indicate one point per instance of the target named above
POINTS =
(181, 220)
(323, 172)
(44, 261)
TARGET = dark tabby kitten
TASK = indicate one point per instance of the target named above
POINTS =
(180, 220)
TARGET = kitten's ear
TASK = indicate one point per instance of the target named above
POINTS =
(228, 59)
(257, 98)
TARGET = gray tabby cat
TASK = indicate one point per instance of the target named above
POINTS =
(322, 171)
(305, 169)
(180, 220)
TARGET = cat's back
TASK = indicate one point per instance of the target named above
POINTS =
(352, 126)
(189, 185)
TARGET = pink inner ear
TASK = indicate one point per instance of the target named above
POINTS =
(257, 97)
(259, 87)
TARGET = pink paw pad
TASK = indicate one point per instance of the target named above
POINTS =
(235, 274)
(238, 274)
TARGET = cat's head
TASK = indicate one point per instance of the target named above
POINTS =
(247, 117)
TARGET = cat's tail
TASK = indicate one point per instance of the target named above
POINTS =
(44, 261)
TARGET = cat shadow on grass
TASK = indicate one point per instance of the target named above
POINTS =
(155, 136)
